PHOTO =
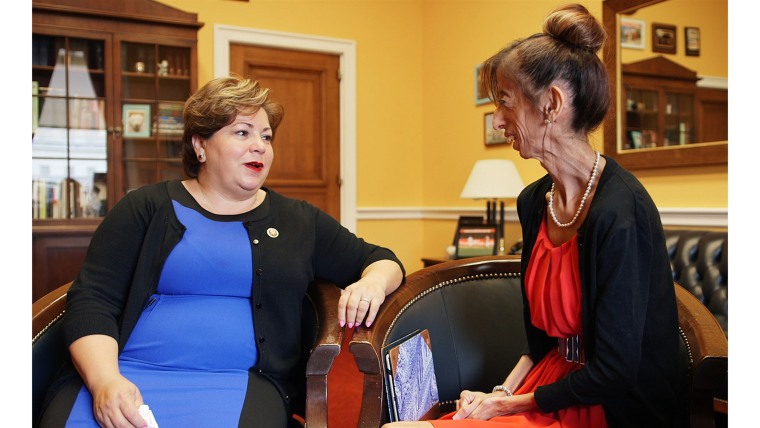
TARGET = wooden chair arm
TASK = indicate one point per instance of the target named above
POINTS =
(708, 350)
(325, 296)
(47, 309)
(367, 342)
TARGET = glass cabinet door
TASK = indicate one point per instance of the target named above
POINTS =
(641, 119)
(155, 82)
(69, 136)
(679, 119)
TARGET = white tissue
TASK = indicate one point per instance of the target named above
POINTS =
(146, 413)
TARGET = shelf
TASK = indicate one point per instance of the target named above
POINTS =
(83, 72)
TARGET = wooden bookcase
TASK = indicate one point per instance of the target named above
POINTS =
(664, 106)
(109, 80)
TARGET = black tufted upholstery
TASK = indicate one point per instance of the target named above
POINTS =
(699, 259)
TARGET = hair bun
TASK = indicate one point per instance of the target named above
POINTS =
(575, 26)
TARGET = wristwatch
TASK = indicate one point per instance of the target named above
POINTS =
(502, 388)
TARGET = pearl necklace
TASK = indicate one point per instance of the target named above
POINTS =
(583, 199)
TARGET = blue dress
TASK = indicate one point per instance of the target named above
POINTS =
(190, 352)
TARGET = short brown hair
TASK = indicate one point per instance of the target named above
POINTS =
(216, 105)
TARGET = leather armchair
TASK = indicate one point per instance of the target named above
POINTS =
(322, 335)
(473, 310)
(464, 304)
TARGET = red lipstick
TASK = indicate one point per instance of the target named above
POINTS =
(258, 166)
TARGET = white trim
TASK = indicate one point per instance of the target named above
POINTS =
(346, 49)
(699, 217)
(706, 217)
(712, 82)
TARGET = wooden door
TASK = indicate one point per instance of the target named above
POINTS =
(307, 145)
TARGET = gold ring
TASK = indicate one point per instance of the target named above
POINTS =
(364, 300)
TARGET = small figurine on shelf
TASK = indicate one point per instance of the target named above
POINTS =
(163, 68)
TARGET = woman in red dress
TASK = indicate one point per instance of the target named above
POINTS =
(598, 292)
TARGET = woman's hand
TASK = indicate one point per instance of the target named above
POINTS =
(482, 406)
(362, 299)
(115, 403)
(115, 400)
(468, 401)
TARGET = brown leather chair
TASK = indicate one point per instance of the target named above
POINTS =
(473, 310)
(707, 348)
(324, 338)
(456, 301)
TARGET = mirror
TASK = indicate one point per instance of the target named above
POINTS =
(656, 150)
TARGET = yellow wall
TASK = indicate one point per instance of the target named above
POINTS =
(418, 129)
(710, 16)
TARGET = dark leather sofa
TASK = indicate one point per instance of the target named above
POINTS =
(699, 259)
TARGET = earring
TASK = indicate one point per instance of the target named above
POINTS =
(547, 121)
(201, 156)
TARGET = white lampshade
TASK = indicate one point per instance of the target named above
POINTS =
(493, 179)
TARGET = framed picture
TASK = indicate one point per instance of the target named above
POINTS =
(466, 221)
(492, 136)
(691, 35)
(633, 33)
(664, 38)
(480, 95)
(136, 120)
(476, 240)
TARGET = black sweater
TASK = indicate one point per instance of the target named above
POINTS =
(127, 253)
(629, 314)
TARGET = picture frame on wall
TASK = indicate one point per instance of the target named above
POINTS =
(481, 97)
(136, 120)
(664, 38)
(633, 33)
(692, 41)
(466, 221)
(492, 136)
(476, 240)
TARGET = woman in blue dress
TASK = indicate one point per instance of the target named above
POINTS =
(190, 297)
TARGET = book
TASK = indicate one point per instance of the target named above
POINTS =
(411, 390)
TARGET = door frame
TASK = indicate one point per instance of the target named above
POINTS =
(224, 35)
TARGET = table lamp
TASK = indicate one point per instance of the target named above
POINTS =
(494, 179)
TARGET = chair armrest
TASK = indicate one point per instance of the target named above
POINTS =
(325, 296)
(708, 351)
(48, 309)
(48, 348)
(367, 342)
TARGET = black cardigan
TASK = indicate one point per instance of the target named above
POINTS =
(128, 250)
(628, 309)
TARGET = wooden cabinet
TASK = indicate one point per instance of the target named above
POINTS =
(664, 106)
(109, 80)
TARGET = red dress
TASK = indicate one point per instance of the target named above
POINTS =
(552, 283)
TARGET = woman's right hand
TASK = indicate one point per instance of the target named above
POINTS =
(115, 400)
(115, 403)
